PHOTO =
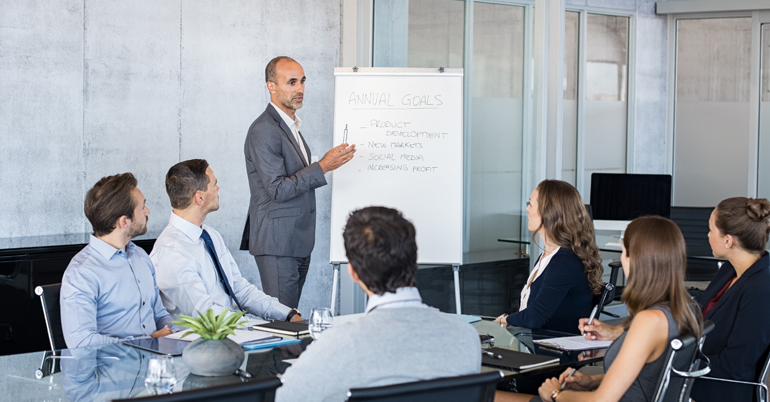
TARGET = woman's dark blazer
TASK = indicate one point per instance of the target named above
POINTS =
(559, 298)
(741, 330)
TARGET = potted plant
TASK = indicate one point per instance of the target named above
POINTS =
(212, 354)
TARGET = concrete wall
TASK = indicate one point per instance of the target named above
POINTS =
(91, 89)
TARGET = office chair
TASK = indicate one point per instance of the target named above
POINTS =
(466, 388)
(49, 298)
(763, 368)
(252, 391)
(679, 373)
(610, 289)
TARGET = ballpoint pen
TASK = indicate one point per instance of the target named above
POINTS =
(345, 140)
(571, 373)
(490, 354)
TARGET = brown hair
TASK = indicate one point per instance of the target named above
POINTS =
(184, 179)
(746, 219)
(658, 260)
(108, 200)
(567, 224)
(270, 69)
(381, 246)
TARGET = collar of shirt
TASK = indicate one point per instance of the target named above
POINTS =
(288, 120)
(404, 297)
(105, 249)
(190, 229)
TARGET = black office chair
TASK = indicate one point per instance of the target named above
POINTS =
(679, 373)
(611, 290)
(49, 298)
(252, 391)
(694, 224)
(760, 385)
(467, 388)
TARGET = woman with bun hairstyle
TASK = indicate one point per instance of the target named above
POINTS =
(654, 260)
(736, 300)
(560, 289)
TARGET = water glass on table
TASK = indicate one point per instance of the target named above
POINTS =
(320, 320)
(161, 375)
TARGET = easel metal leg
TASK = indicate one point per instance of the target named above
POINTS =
(456, 269)
(333, 305)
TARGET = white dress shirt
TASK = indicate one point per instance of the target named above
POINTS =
(188, 279)
(294, 126)
(542, 264)
(404, 297)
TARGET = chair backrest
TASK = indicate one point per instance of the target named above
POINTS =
(694, 224)
(252, 391)
(466, 388)
(680, 356)
(49, 299)
(763, 368)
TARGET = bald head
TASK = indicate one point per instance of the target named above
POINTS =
(286, 82)
(270, 69)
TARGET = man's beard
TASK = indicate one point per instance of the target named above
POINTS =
(138, 231)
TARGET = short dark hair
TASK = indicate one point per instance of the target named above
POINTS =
(381, 247)
(184, 179)
(108, 200)
(746, 219)
(270, 68)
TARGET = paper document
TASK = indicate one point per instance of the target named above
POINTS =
(572, 343)
(240, 336)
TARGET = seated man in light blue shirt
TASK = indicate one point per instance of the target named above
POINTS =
(195, 270)
(108, 292)
(399, 339)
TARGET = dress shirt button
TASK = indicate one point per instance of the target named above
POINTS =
(143, 326)
(142, 303)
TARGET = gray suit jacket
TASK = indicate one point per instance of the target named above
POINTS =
(282, 208)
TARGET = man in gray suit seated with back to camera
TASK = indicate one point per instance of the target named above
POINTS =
(399, 339)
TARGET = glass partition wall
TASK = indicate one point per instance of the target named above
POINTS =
(712, 130)
(430, 33)
(595, 97)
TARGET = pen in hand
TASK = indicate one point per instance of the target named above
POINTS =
(490, 354)
(591, 318)
(345, 140)
(571, 373)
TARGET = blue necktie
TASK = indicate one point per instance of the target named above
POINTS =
(222, 277)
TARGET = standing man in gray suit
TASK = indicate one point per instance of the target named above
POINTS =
(283, 181)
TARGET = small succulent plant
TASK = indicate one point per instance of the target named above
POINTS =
(209, 326)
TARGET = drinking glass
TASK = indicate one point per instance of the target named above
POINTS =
(161, 375)
(320, 321)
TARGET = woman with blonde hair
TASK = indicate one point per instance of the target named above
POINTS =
(560, 289)
(654, 260)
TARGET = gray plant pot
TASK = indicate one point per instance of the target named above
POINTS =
(212, 358)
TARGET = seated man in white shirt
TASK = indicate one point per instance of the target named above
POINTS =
(194, 269)
(399, 339)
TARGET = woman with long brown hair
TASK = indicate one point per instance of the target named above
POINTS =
(654, 260)
(736, 298)
(560, 289)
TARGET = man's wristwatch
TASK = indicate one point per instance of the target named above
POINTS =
(554, 394)
(292, 313)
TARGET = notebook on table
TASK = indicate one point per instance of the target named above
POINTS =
(284, 328)
(515, 360)
(569, 343)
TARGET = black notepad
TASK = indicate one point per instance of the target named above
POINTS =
(514, 360)
(284, 328)
(162, 346)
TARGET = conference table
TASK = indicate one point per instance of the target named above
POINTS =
(118, 371)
